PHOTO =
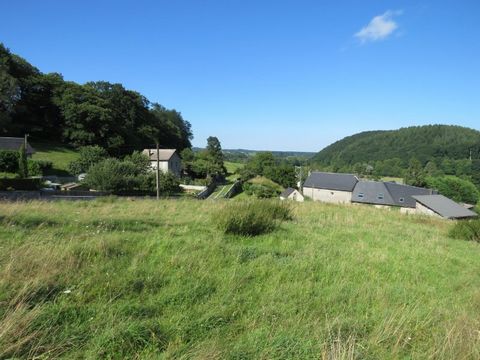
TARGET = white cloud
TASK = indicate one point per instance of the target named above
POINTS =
(379, 28)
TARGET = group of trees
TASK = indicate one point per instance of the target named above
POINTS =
(205, 164)
(96, 113)
(265, 164)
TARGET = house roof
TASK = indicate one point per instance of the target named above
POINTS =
(405, 192)
(14, 144)
(372, 192)
(331, 181)
(287, 192)
(387, 193)
(163, 154)
(444, 206)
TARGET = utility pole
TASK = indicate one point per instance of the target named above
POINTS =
(158, 171)
(299, 174)
(25, 142)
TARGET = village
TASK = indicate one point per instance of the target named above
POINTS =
(336, 188)
(239, 180)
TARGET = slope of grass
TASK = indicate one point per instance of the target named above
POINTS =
(58, 154)
(146, 279)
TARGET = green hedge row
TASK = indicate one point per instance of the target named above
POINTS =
(20, 184)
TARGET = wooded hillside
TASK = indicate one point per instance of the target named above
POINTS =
(421, 142)
(96, 113)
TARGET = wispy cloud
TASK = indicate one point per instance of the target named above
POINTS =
(379, 28)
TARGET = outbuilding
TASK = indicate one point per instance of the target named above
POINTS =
(291, 194)
(330, 187)
(441, 206)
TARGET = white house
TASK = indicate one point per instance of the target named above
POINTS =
(168, 160)
(291, 194)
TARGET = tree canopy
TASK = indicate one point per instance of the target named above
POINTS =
(96, 113)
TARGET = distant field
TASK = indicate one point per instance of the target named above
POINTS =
(147, 279)
(60, 155)
(396, 179)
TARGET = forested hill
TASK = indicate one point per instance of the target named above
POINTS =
(421, 142)
(96, 113)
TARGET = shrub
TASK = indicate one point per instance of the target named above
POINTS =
(466, 230)
(89, 155)
(251, 218)
(34, 168)
(9, 161)
(112, 175)
(19, 184)
(457, 189)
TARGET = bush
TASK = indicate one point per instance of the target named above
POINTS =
(119, 176)
(251, 218)
(261, 191)
(89, 155)
(19, 184)
(34, 168)
(466, 230)
(112, 175)
(9, 161)
(455, 188)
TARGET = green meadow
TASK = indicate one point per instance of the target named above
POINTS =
(144, 279)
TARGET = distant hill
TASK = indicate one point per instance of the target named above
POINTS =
(242, 155)
(421, 142)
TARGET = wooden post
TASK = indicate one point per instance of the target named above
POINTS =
(158, 172)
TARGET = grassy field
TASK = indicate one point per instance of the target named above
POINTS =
(157, 280)
(59, 155)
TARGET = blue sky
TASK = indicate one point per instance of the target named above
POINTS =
(270, 75)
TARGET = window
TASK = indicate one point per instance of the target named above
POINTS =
(380, 196)
(360, 195)
(401, 200)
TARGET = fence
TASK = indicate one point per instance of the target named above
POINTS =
(206, 193)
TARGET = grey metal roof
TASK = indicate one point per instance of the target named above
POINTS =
(405, 192)
(163, 154)
(331, 181)
(444, 206)
(14, 144)
(286, 193)
(372, 192)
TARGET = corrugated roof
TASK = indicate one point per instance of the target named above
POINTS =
(14, 144)
(372, 192)
(163, 154)
(331, 181)
(444, 206)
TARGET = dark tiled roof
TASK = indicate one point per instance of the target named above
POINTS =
(444, 206)
(14, 144)
(405, 192)
(163, 154)
(372, 192)
(387, 193)
(331, 181)
(286, 193)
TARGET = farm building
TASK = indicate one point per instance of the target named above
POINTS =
(441, 206)
(14, 144)
(168, 160)
(330, 187)
(291, 194)
(383, 194)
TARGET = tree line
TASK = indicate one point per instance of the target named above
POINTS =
(96, 113)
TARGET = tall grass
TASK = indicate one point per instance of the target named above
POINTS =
(252, 217)
(466, 230)
(154, 279)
